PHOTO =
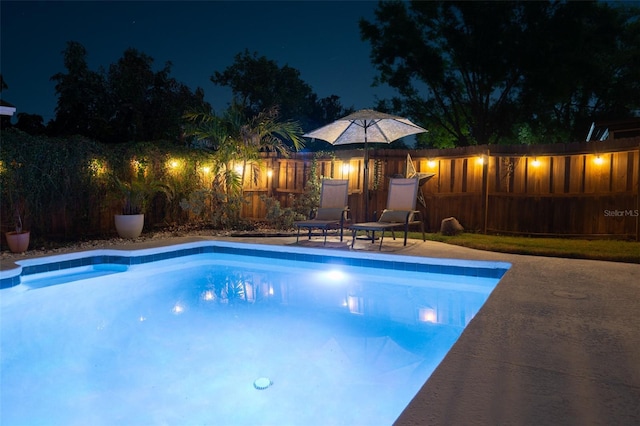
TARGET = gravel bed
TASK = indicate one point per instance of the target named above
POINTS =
(6, 255)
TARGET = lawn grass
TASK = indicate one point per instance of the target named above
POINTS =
(611, 250)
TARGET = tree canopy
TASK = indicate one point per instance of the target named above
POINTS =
(258, 84)
(489, 72)
(129, 102)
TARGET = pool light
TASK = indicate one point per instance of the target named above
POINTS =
(334, 275)
(427, 314)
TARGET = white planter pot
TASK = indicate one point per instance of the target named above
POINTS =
(129, 225)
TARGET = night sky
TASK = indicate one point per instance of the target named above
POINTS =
(319, 38)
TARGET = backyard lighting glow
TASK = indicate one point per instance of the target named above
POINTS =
(535, 162)
(174, 163)
(431, 164)
(238, 168)
(346, 168)
(97, 167)
(206, 169)
(480, 161)
(269, 173)
(598, 160)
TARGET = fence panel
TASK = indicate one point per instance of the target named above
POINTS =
(588, 189)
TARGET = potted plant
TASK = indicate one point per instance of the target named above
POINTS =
(18, 239)
(135, 196)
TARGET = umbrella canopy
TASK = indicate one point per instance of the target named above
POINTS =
(364, 126)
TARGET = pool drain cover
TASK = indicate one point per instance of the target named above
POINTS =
(262, 383)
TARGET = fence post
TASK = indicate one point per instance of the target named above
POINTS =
(485, 190)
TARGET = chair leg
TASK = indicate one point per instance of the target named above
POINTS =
(353, 235)
(298, 235)
(382, 238)
(324, 231)
(406, 231)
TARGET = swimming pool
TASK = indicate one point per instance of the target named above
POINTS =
(229, 333)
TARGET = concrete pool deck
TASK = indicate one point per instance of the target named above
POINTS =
(557, 343)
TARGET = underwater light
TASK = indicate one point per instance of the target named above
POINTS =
(335, 275)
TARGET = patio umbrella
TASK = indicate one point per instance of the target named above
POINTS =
(364, 126)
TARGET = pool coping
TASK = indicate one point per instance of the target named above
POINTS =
(136, 256)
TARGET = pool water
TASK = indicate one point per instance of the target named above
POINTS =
(183, 341)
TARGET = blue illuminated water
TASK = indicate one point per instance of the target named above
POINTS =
(181, 342)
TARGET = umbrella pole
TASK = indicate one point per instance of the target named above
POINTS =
(365, 185)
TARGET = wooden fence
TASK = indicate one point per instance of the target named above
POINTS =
(581, 189)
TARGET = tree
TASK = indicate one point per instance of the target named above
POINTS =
(32, 124)
(593, 50)
(129, 82)
(479, 71)
(259, 84)
(81, 96)
(146, 105)
(129, 102)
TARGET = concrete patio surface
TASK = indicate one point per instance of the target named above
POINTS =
(557, 342)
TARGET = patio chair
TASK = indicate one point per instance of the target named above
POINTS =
(400, 212)
(333, 210)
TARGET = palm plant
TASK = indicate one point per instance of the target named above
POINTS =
(136, 194)
(233, 138)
